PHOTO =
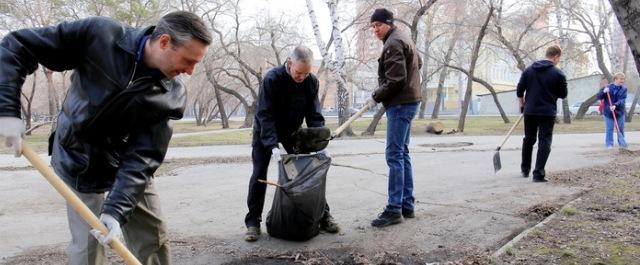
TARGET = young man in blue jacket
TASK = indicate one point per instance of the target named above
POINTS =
(113, 131)
(288, 96)
(618, 93)
(539, 88)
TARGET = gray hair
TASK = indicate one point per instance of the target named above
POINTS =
(302, 53)
(182, 26)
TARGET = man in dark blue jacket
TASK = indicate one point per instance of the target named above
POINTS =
(288, 95)
(113, 131)
(539, 88)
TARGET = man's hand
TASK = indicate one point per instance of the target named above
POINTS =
(612, 107)
(605, 89)
(114, 230)
(325, 152)
(276, 155)
(521, 103)
(12, 129)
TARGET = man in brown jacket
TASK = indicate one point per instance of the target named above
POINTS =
(399, 92)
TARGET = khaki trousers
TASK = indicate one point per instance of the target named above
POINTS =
(144, 234)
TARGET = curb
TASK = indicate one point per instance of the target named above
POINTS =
(524, 233)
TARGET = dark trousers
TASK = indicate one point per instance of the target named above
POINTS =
(542, 126)
(261, 157)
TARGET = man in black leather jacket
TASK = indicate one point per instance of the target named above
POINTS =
(113, 131)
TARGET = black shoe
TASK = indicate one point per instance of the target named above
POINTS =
(386, 219)
(524, 175)
(406, 213)
(539, 179)
(329, 224)
(253, 234)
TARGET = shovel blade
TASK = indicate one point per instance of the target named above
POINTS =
(497, 165)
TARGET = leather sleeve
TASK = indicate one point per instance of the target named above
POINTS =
(395, 72)
(145, 152)
(57, 48)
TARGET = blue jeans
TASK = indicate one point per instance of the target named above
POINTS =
(609, 128)
(397, 153)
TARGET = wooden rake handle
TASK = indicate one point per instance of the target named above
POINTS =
(510, 131)
(269, 183)
(350, 120)
(76, 203)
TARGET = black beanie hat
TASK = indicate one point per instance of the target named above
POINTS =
(382, 15)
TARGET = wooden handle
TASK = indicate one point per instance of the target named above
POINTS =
(511, 130)
(270, 183)
(76, 203)
(350, 120)
(613, 113)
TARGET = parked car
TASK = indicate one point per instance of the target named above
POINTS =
(594, 109)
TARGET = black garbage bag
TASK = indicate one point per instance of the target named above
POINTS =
(298, 205)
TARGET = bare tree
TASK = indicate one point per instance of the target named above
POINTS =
(444, 72)
(335, 66)
(472, 65)
(251, 51)
(628, 14)
(594, 27)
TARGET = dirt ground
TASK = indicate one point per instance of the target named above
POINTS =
(601, 227)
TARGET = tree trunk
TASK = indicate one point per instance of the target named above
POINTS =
(339, 64)
(51, 92)
(628, 14)
(472, 65)
(566, 113)
(223, 114)
(425, 69)
(335, 66)
(443, 76)
(632, 109)
(585, 106)
(374, 122)
(26, 108)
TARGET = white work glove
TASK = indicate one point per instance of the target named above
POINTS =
(371, 103)
(12, 129)
(612, 107)
(325, 152)
(276, 154)
(605, 90)
(114, 230)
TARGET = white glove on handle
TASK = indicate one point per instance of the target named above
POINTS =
(276, 154)
(605, 90)
(114, 230)
(12, 129)
(325, 152)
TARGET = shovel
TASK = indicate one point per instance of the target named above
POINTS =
(76, 203)
(497, 165)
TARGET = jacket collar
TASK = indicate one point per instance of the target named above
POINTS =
(391, 30)
(131, 38)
